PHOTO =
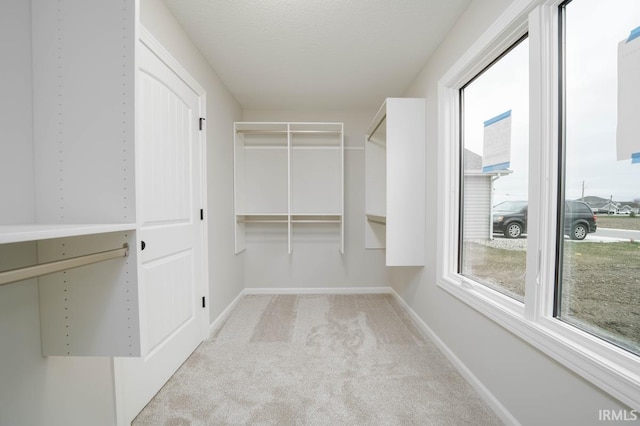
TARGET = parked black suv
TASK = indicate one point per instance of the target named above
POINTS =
(510, 219)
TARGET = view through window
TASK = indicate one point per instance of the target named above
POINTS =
(599, 258)
(495, 147)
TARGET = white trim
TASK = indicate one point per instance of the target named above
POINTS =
(219, 321)
(165, 56)
(500, 410)
(610, 368)
(204, 204)
(320, 290)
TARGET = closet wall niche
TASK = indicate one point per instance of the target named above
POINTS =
(288, 175)
(395, 181)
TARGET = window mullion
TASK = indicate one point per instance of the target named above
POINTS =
(543, 116)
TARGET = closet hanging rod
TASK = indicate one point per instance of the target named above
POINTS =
(60, 265)
(375, 129)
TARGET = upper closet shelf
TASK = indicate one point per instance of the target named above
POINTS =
(284, 132)
(33, 232)
(289, 133)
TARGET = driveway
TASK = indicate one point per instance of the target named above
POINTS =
(608, 235)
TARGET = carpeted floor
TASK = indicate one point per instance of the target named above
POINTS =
(317, 360)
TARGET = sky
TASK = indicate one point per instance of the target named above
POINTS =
(593, 28)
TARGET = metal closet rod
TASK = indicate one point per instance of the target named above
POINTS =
(27, 272)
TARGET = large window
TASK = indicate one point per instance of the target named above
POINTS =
(495, 146)
(539, 135)
(599, 269)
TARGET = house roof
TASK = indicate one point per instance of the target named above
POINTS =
(473, 165)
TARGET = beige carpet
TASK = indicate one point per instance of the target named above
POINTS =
(317, 360)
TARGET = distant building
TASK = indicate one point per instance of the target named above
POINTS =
(604, 206)
(478, 197)
(629, 207)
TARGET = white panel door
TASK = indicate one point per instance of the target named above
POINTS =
(170, 229)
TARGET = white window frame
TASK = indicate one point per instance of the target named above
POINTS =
(609, 367)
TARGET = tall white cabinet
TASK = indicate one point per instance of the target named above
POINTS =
(110, 155)
(288, 175)
(89, 177)
(83, 82)
(395, 181)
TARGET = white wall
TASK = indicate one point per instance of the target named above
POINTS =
(532, 387)
(267, 264)
(226, 279)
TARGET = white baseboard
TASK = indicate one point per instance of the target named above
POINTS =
(219, 321)
(500, 410)
(321, 290)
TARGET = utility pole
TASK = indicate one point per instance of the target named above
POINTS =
(582, 191)
(610, 203)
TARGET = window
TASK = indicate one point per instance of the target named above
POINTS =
(495, 146)
(598, 276)
(577, 298)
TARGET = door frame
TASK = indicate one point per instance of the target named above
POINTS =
(146, 38)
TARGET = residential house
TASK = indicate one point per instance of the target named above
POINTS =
(478, 200)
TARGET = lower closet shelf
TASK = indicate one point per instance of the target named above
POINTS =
(44, 231)
(262, 218)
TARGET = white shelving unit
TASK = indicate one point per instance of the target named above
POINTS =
(83, 91)
(395, 181)
(289, 174)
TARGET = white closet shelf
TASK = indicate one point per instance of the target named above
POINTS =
(267, 147)
(284, 218)
(34, 232)
(262, 218)
(293, 132)
(316, 218)
(316, 147)
(382, 220)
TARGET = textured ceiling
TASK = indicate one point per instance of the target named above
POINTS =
(320, 54)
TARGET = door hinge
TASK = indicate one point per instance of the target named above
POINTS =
(204, 304)
(201, 122)
(201, 214)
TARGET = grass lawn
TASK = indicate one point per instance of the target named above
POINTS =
(618, 222)
(600, 284)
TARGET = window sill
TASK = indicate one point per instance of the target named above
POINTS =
(610, 368)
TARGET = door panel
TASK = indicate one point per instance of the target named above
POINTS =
(170, 302)
(167, 151)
